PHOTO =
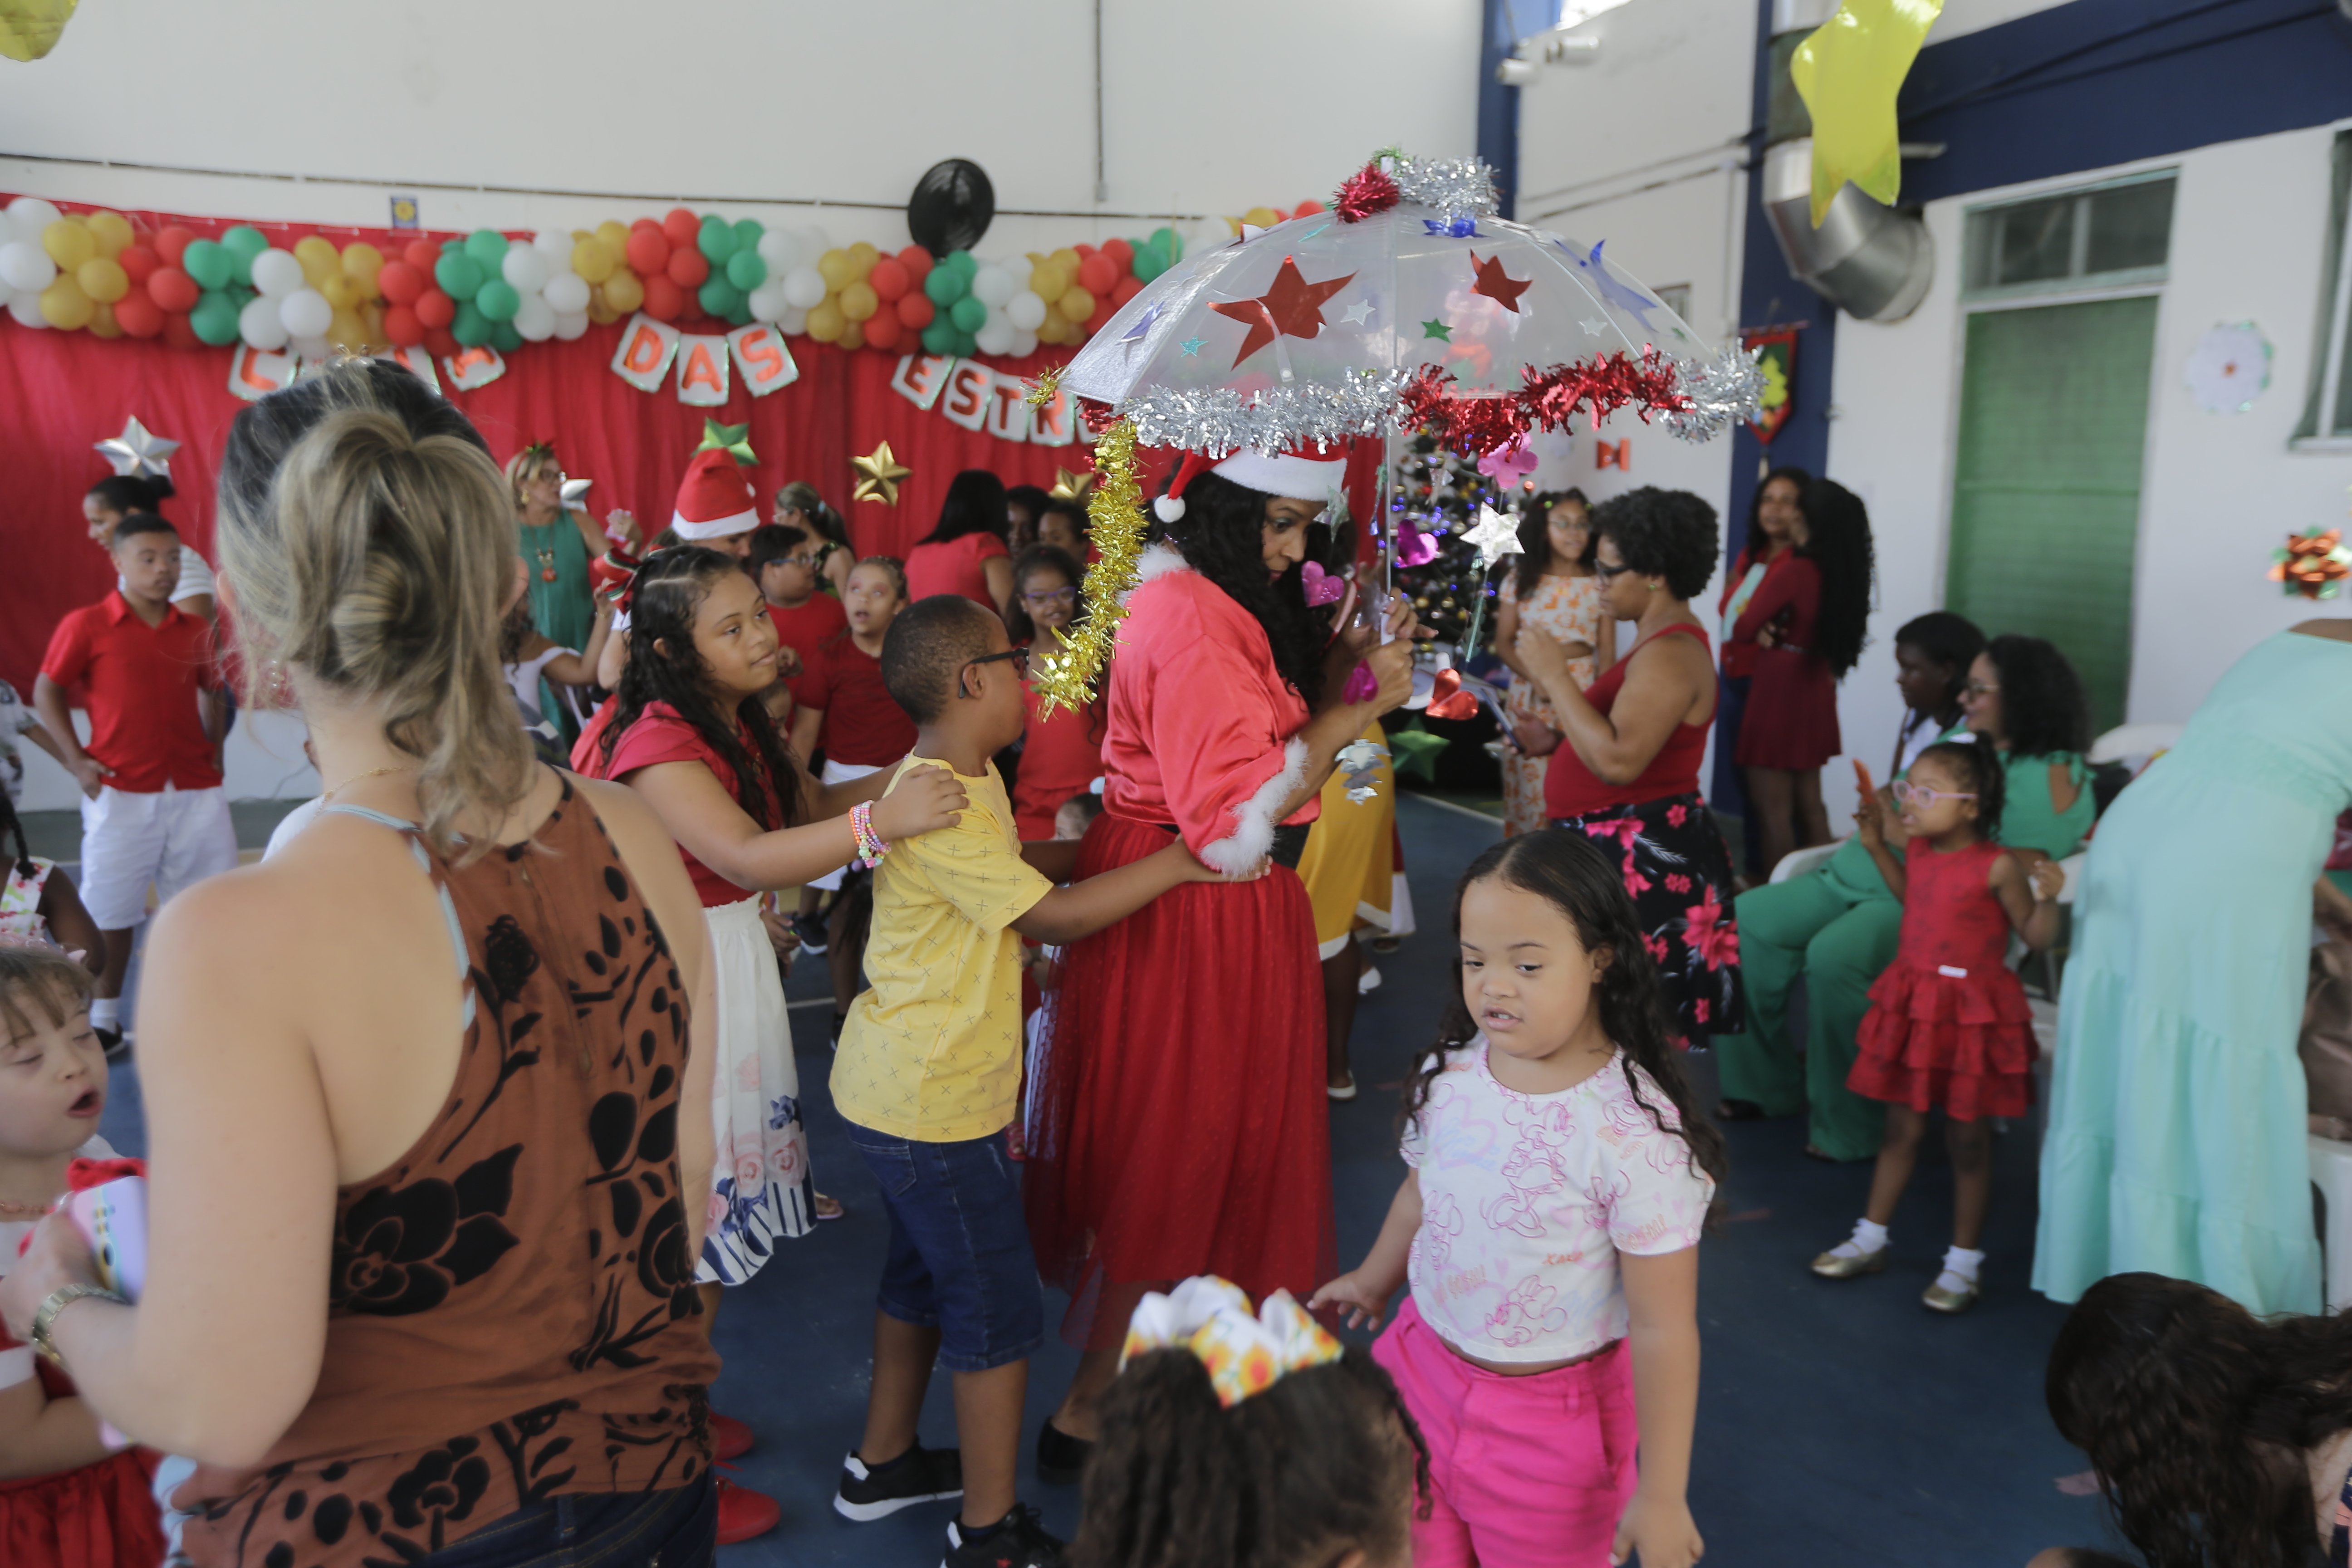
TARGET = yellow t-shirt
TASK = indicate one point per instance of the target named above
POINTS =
(931, 1050)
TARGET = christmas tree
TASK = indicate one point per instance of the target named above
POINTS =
(1439, 493)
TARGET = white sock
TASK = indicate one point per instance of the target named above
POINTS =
(1866, 1240)
(1962, 1264)
(105, 1013)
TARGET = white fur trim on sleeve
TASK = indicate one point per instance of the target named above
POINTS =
(1252, 837)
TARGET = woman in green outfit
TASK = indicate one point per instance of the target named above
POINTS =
(557, 545)
(2177, 1105)
(1837, 927)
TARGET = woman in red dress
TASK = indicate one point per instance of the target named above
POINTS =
(1774, 516)
(965, 551)
(1180, 1124)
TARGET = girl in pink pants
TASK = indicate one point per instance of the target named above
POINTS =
(1549, 1230)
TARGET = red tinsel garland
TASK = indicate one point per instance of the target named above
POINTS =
(1365, 193)
(1478, 426)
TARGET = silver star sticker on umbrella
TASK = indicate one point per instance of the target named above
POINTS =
(1359, 313)
(138, 451)
(1594, 327)
(1494, 537)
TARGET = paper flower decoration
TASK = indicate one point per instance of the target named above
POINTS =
(2229, 368)
(2312, 564)
(1507, 466)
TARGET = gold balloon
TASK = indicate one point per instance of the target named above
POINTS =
(320, 261)
(1049, 281)
(362, 261)
(825, 321)
(341, 292)
(613, 236)
(839, 272)
(1261, 217)
(622, 291)
(64, 305)
(102, 279)
(69, 245)
(29, 29)
(858, 301)
(102, 323)
(599, 306)
(1076, 304)
(347, 331)
(862, 257)
(1068, 259)
(590, 260)
(112, 230)
(853, 336)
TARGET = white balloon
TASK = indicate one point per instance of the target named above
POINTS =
(1025, 310)
(794, 321)
(803, 287)
(306, 313)
(25, 267)
(276, 274)
(781, 250)
(260, 323)
(313, 348)
(993, 285)
(534, 318)
(26, 310)
(556, 245)
(815, 241)
(768, 302)
(525, 269)
(995, 336)
(570, 324)
(30, 215)
(566, 292)
(1025, 341)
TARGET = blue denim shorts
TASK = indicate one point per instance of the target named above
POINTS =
(959, 1259)
(674, 1528)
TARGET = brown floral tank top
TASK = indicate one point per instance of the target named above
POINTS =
(511, 1313)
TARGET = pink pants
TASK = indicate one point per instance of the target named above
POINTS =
(1525, 1470)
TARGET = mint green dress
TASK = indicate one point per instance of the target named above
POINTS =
(2177, 1106)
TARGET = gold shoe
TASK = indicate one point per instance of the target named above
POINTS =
(1936, 1298)
(1830, 1266)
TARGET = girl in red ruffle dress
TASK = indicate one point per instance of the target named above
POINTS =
(1947, 1027)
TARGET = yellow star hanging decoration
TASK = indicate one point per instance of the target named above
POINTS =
(1848, 73)
(1068, 485)
(878, 474)
(29, 29)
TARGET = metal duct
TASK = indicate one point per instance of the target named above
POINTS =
(1871, 261)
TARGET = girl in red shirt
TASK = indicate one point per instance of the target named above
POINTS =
(1061, 755)
(965, 553)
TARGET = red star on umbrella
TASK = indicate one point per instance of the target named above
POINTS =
(1497, 284)
(1292, 306)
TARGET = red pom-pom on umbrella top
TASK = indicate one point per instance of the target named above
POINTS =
(1365, 193)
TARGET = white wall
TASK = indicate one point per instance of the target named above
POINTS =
(1211, 107)
(264, 762)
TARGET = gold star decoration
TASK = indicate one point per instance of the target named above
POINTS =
(1068, 485)
(734, 440)
(878, 474)
(1848, 73)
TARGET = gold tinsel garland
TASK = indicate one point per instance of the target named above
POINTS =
(1067, 679)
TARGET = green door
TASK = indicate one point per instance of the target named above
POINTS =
(2045, 504)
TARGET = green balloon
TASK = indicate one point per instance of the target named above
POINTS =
(718, 297)
(246, 241)
(716, 240)
(741, 315)
(504, 337)
(214, 317)
(966, 345)
(472, 328)
(940, 338)
(969, 314)
(963, 262)
(487, 247)
(498, 300)
(210, 263)
(944, 284)
(1149, 263)
(746, 270)
(460, 275)
(748, 232)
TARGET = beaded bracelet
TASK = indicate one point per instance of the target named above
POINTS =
(870, 845)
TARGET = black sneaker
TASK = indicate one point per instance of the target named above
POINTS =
(1061, 1459)
(918, 1475)
(1017, 1541)
(810, 928)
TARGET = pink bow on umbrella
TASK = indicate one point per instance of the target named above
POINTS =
(1507, 466)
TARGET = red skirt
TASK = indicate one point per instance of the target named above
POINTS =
(1791, 717)
(1933, 1041)
(1178, 1124)
(100, 1516)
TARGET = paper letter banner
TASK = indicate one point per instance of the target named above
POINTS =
(470, 368)
(419, 362)
(1055, 424)
(1008, 409)
(643, 359)
(970, 387)
(921, 378)
(762, 359)
(253, 373)
(702, 371)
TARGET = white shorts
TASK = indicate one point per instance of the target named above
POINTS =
(170, 839)
(839, 773)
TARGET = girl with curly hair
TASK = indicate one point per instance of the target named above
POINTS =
(2024, 700)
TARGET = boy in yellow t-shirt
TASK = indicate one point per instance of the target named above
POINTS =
(927, 1074)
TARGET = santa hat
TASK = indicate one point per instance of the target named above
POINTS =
(609, 573)
(714, 499)
(1295, 474)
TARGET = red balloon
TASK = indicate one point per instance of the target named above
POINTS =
(883, 328)
(688, 268)
(888, 281)
(665, 300)
(433, 308)
(1307, 207)
(423, 255)
(441, 341)
(1121, 254)
(1084, 249)
(1129, 287)
(139, 263)
(401, 326)
(915, 310)
(648, 249)
(682, 227)
(137, 314)
(173, 289)
(917, 263)
(1097, 274)
(401, 284)
(1093, 323)
(172, 241)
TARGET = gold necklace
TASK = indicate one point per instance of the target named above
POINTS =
(371, 774)
(32, 1210)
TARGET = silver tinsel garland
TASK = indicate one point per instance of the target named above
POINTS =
(1458, 188)
(1219, 422)
(1722, 392)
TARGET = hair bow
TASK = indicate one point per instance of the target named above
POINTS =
(1244, 1354)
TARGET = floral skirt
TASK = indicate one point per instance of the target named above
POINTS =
(1679, 873)
(759, 1181)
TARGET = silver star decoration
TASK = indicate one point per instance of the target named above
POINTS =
(1494, 537)
(1359, 313)
(138, 451)
(574, 493)
(1594, 327)
(1360, 760)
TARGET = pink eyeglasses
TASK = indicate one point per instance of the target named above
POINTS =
(1909, 794)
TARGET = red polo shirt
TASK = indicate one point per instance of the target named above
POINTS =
(140, 683)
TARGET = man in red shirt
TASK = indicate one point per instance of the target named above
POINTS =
(155, 811)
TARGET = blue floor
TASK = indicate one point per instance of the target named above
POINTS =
(1838, 1424)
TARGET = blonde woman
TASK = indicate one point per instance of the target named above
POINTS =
(557, 543)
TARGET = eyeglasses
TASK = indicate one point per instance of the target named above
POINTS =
(801, 561)
(1909, 794)
(1607, 572)
(1979, 688)
(1064, 596)
(1019, 655)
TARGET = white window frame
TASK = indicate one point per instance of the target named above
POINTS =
(2130, 279)
(2335, 347)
